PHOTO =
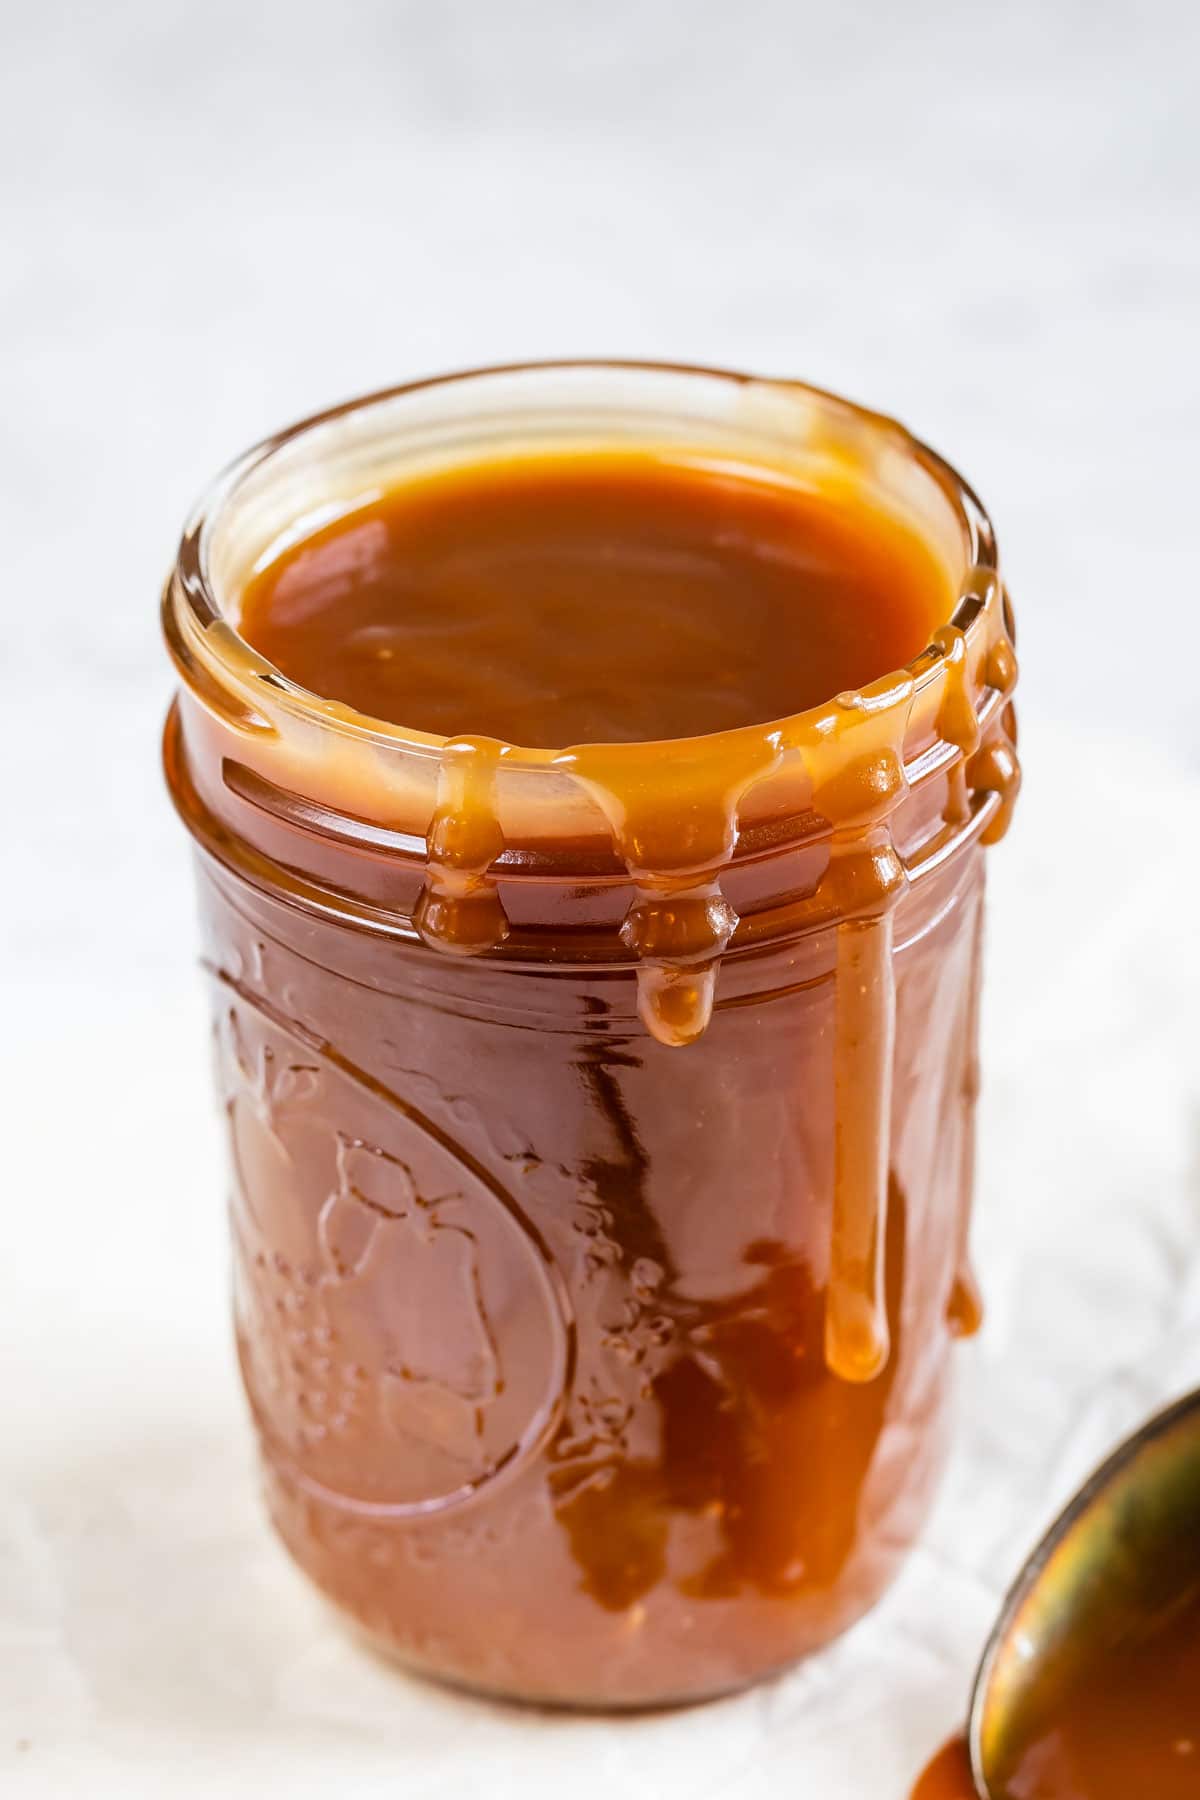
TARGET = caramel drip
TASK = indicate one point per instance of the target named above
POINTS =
(990, 767)
(957, 720)
(459, 909)
(964, 1309)
(856, 1326)
(994, 768)
(948, 1776)
(858, 779)
(674, 822)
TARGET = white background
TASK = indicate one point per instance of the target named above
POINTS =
(216, 218)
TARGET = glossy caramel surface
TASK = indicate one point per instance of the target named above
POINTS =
(948, 1776)
(602, 597)
(1130, 1726)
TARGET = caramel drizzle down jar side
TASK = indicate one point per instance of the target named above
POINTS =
(673, 812)
(674, 815)
(448, 830)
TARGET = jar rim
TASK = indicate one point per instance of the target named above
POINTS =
(197, 626)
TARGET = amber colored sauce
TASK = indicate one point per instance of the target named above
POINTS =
(1128, 1727)
(601, 599)
(682, 1329)
(596, 598)
(948, 1776)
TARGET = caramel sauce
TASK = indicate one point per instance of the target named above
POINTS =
(697, 1423)
(622, 598)
(596, 598)
(600, 601)
(948, 1776)
(1129, 1726)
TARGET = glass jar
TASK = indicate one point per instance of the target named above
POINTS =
(595, 1288)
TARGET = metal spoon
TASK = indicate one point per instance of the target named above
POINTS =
(1125, 1547)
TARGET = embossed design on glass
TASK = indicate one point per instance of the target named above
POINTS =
(402, 1339)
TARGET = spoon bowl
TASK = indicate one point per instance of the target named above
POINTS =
(1122, 1557)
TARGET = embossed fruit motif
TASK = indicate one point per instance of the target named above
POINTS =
(380, 1299)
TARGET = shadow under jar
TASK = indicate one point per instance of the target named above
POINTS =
(601, 1119)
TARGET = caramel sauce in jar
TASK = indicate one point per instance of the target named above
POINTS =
(590, 769)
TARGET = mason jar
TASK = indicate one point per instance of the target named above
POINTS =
(595, 1284)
